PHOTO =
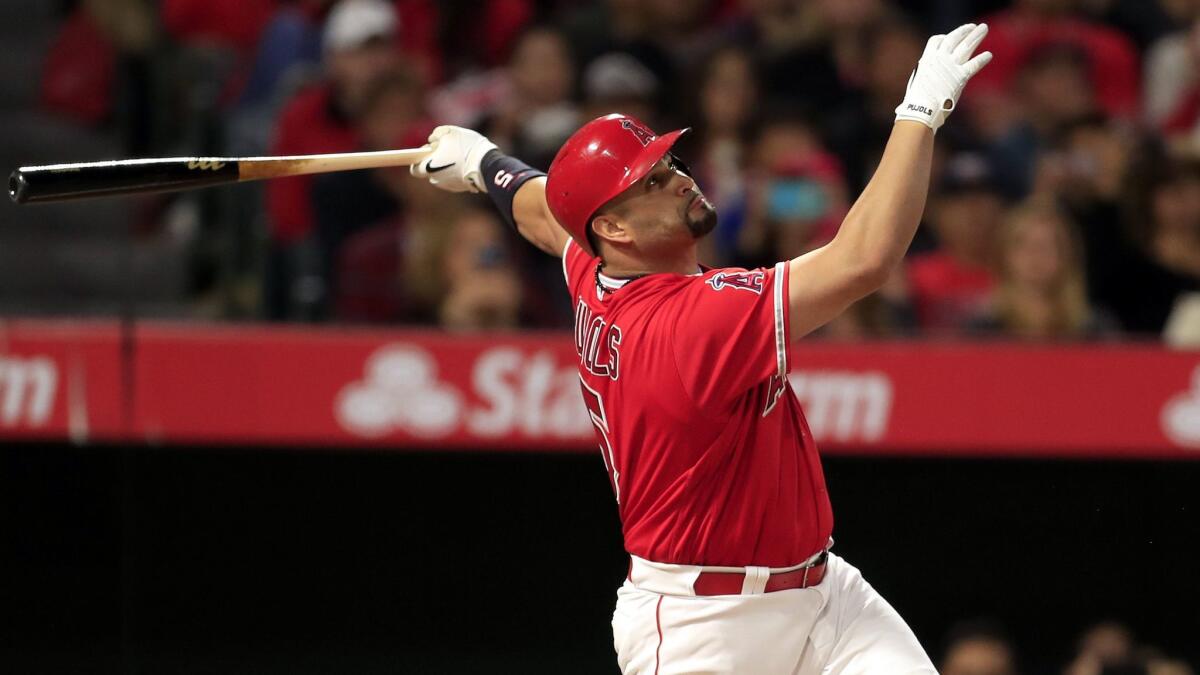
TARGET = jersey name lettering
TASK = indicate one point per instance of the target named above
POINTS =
(590, 335)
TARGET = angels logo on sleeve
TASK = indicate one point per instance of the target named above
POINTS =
(745, 281)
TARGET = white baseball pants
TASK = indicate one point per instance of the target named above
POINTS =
(841, 626)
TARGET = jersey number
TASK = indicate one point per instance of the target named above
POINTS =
(595, 406)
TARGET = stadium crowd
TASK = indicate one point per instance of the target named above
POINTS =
(1065, 203)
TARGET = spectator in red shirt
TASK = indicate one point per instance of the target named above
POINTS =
(358, 48)
(225, 23)
(952, 284)
(1030, 25)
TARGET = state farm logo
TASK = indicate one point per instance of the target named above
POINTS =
(844, 406)
(399, 391)
(1180, 417)
(27, 389)
(508, 391)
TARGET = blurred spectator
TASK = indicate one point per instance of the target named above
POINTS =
(618, 82)
(1103, 648)
(1172, 94)
(1041, 290)
(358, 48)
(290, 45)
(1054, 92)
(681, 28)
(796, 196)
(851, 25)
(1174, 235)
(537, 113)
(605, 26)
(96, 51)
(483, 289)
(726, 110)
(793, 44)
(347, 202)
(859, 128)
(978, 648)
(235, 24)
(450, 38)
(1108, 648)
(1030, 26)
(1143, 269)
(954, 282)
(391, 272)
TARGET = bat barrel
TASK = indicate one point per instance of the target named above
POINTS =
(59, 182)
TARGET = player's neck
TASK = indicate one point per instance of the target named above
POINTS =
(620, 265)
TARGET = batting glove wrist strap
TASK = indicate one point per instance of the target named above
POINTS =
(941, 74)
(503, 176)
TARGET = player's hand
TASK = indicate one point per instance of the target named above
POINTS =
(454, 163)
(941, 74)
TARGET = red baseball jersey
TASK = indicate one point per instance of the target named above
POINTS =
(709, 454)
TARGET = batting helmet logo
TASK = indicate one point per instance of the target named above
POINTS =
(634, 127)
(598, 162)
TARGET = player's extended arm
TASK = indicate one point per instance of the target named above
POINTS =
(534, 220)
(880, 226)
(463, 160)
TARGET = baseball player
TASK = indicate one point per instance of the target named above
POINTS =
(719, 486)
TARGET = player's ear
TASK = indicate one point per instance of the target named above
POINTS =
(611, 227)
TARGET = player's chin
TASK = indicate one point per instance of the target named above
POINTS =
(702, 220)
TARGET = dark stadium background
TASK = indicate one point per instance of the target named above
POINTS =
(217, 560)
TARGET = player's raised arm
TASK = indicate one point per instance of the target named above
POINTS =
(465, 161)
(880, 226)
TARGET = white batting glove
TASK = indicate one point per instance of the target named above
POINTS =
(941, 74)
(454, 163)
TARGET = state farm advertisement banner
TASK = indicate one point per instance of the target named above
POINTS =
(331, 387)
(184, 383)
(61, 381)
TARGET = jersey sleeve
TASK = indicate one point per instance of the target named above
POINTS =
(578, 267)
(732, 333)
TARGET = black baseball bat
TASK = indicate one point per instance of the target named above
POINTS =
(61, 182)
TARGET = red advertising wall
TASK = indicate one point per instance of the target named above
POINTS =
(198, 383)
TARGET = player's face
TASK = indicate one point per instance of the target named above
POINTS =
(666, 208)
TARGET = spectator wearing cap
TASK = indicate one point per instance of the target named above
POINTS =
(617, 82)
(1029, 26)
(358, 47)
(952, 283)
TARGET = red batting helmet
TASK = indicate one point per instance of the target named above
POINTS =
(597, 163)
